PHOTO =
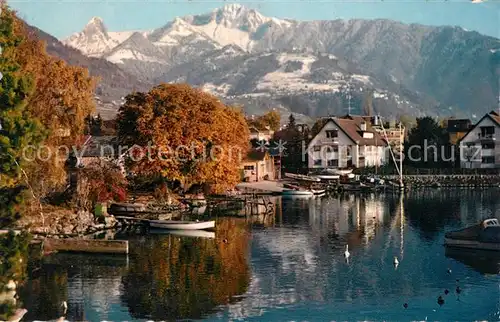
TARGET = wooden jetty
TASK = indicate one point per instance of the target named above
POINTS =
(85, 245)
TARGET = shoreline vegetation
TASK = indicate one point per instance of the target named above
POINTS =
(47, 103)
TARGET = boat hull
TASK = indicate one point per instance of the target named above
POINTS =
(297, 193)
(181, 225)
(471, 244)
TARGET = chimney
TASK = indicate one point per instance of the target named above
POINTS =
(363, 126)
(375, 120)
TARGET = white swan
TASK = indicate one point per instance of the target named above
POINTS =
(396, 261)
(346, 253)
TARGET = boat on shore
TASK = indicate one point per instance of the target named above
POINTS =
(182, 225)
(485, 236)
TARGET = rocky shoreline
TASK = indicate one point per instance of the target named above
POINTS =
(472, 181)
(68, 223)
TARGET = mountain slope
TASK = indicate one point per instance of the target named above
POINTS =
(435, 68)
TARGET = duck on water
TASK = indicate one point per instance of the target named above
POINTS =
(485, 235)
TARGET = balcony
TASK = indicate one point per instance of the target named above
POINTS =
(331, 141)
(486, 137)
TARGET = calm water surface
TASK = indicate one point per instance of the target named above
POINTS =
(290, 267)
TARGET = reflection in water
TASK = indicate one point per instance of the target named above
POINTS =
(176, 278)
(483, 261)
(292, 267)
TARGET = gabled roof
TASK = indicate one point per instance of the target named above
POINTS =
(351, 127)
(494, 116)
(255, 155)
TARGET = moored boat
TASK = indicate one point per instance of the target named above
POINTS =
(181, 225)
(301, 177)
(297, 193)
(485, 235)
(318, 191)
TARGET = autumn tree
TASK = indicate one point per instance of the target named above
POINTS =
(271, 120)
(101, 182)
(188, 135)
(62, 98)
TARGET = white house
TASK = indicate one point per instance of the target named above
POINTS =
(346, 142)
(265, 135)
(479, 148)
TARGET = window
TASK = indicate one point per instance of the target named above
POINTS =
(317, 148)
(335, 148)
(487, 131)
(330, 134)
(249, 167)
(333, 163)
(489, 159)
(317, 162)
(488, 146)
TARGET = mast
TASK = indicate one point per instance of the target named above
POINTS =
(390, 147)
(401, 157)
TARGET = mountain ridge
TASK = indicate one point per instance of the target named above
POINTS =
(452, 69)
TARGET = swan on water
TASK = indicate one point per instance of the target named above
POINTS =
(346, 253)
(396, 261)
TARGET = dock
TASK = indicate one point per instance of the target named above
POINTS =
(85, 245)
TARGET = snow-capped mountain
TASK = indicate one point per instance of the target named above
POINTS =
(444, 68)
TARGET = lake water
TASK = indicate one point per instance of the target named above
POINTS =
(290, 267)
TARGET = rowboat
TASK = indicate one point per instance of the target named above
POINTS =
(186, 233)
(318, 192)
(297, 193)
(301, 177)
(485, 235)
(181, 225)
(126, 209)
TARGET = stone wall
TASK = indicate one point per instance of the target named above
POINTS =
(449, 180)
(66, 222)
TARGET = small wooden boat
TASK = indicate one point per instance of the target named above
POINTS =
(297, 193)
(318, 191)
(301, 177)
(181, 225)
(126, 209)
(485, 235)
(186, 233)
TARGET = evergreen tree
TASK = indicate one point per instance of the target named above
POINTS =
(291, 121)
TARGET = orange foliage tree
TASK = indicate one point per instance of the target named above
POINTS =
(271, 119)
(64, 96)
(189, 136)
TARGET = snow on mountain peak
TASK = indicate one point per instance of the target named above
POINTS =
(95, 24)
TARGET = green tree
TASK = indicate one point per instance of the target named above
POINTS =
(427, 145)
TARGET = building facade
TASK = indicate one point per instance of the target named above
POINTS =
(457, 129)
(346, 143)
(258, 166)
(479, 148)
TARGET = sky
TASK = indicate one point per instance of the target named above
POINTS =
(61, 18)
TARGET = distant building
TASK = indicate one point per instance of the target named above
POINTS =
(479, 147)
(260, 135)
(457, 128)
(346, 142)
(257, 166)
